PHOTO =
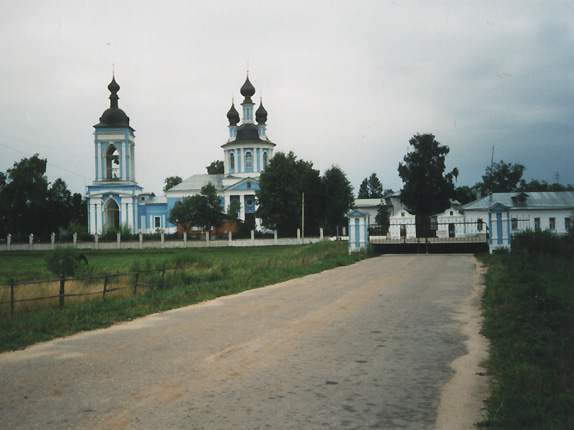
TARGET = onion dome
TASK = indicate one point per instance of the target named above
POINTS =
(114, 116)
(233, 115)
(261, 114)
(247, 90)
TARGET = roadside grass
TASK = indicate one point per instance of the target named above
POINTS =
(528, 305)
(199, 275)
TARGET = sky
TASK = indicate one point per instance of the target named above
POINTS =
(345, 84)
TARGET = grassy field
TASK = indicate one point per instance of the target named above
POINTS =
(202, 274)
(528, 305)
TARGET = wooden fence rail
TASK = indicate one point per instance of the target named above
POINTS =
(62, 290)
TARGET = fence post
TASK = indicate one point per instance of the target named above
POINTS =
(207, 238)
(105, 286)
(252, 237)
(12, 297)
(275, 237)
(75, 240)
(136, 282)
(163, 277)
(185, 239)
(62, 290)
(229, 238)
(31, 240)
(96, 239)
(118, 239)
(53, 240)
(9, 241)
(141, 240)
(162, 237)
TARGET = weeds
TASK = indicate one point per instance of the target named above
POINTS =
(528, 306)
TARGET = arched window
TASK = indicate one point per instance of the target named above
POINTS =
(265, 160)
(231, 161)
(248, 161)
(112, 162)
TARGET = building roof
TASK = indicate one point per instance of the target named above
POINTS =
(195, 182)
(536, 200)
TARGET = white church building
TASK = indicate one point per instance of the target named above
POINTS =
(115, 199)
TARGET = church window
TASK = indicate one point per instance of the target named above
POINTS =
(231, 161)
(112, 162)
(552, 223)
(479, 223)
(537, 224)
(514, 223)
(265, 160)
(248, 184)
(248, 160)
(567, 224)
(249, 202)
(157, 222)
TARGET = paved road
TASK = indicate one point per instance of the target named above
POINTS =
(366, 346)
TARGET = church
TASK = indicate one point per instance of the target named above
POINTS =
(115, 199)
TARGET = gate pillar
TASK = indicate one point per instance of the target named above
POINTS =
(358, 230)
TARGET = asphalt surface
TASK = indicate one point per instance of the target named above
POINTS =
(365, 346)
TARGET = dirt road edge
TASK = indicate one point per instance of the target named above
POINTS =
(462, 398)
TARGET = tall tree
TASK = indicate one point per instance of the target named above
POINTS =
(338, 199)
(383, 217)
(23, 195)
(281, 188)
(202, 210)
(171, 181)
(371, 188)
(427, 190)
(501, 178)
(216, 168)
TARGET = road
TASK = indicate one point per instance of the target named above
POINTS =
(365, 346)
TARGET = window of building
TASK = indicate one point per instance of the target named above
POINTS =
(479, 224)
(248, 184)
(567, 224)
(265, 159)
(231, 161)
(248, 160)
(157, 222)
(451, 213)
(537, 224)
(552, 223)
(514, 223)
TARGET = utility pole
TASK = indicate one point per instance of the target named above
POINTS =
(302, 217)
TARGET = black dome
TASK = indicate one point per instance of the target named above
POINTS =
(114, 116)
(247, 90)
(233, 116)
(261, 114)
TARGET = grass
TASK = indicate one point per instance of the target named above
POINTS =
(202, 274)
(528, 305)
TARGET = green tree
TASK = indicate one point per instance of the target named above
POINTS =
(372, 188)
(216, 168)
(538, 186)
(383, 217)
(23, 194)
(201, 210)
(464, 194)
(281, 186)
(501, 178)
(171, 181)
(182, 214)
(427, 190)
(338, 199)
(233, 209)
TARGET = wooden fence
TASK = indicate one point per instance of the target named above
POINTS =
(62, 294)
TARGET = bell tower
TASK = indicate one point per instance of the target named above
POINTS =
(113, 194)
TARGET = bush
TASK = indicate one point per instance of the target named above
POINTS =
(63, 261)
